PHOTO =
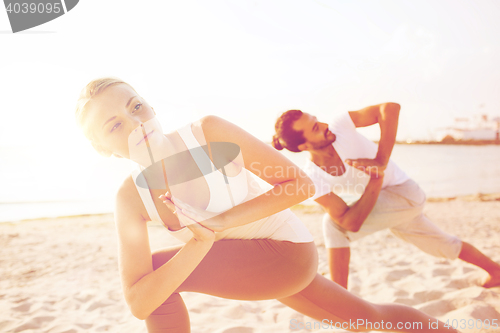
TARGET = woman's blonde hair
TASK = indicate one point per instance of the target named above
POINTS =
(92, 89)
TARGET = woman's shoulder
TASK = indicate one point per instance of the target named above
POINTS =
(209, 128)
(210, 122)
(127, 192)
(217, 128)
(128, 203)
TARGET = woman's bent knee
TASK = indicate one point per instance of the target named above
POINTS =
(171, 316)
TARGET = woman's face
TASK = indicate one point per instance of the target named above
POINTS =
(123, 123)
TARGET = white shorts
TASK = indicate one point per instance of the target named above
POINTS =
(399, 208)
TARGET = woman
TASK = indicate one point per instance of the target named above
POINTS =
(240, 243)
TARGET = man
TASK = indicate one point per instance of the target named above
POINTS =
(342, 161)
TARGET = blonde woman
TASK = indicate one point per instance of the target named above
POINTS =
(241, 242)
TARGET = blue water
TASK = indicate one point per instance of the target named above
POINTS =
(35, 185)
(444, 170)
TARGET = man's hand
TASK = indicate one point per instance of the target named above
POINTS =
(371, 167)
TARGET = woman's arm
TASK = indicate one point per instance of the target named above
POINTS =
(146, 289)
(290, 184)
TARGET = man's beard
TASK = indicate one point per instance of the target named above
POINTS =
(323, 144)
(326, 142)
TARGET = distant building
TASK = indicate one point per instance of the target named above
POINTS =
(480, 127)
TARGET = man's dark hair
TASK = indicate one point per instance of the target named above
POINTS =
(286, 136)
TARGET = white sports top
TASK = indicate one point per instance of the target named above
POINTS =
(221, 198)
(284, 225)
(350, 144)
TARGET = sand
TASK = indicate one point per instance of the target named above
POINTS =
(60, 275)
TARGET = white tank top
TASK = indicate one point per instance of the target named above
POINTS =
(283, 226)
(349, 144)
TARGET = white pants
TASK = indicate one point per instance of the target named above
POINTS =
(398, 208)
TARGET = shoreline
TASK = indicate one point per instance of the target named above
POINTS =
(451, 142)
(447, 143)
(471, 197)
(312, 208)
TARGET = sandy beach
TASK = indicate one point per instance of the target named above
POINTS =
(60, 275)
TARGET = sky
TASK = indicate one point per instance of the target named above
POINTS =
(250, 60)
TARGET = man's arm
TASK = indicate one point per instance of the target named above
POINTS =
(386, 115)
(352, 218)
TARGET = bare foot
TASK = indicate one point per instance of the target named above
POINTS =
(493, 280)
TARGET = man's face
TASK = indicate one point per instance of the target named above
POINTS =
(317, 134)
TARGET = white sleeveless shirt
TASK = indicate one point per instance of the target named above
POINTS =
(350, 144)
(283, 226)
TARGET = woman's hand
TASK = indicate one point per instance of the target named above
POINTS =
(200, 232)
(212, 221)
(188, 217)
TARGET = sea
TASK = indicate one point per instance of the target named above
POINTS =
(35, 185)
